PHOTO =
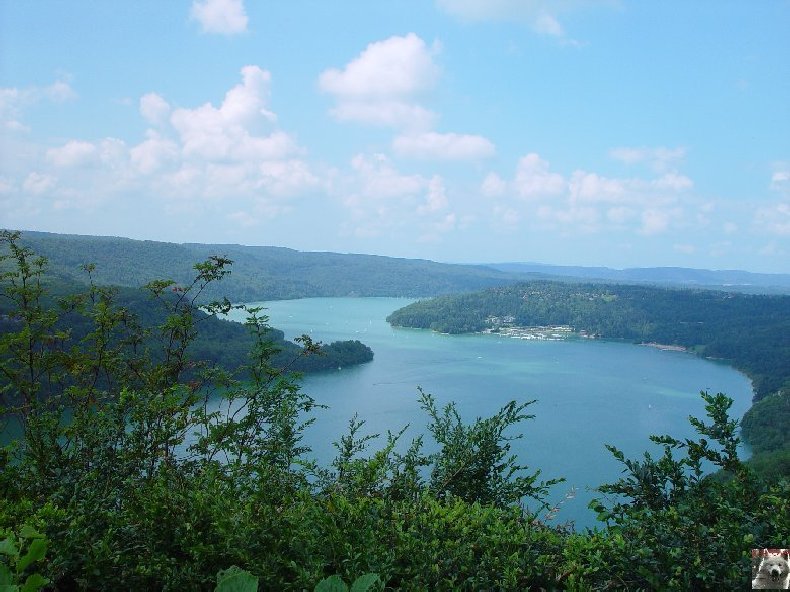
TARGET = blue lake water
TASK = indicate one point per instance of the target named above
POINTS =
(589, 392)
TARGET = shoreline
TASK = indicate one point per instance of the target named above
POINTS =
(664, 347)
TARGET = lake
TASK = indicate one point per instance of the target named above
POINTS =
(589, 392)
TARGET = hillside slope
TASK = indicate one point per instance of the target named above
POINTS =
(259, 273)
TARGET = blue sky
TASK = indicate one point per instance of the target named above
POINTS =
(570, 132)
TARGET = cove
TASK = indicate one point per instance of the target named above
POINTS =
(589, 393)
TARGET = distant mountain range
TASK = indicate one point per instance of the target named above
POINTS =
(271, 273)
(705, 278)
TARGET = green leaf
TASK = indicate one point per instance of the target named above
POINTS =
(5, 576)
(34, 583)
(7, 547)
(37, 550)
(28, 532)
(331, 584)
(364, 583)
(235, 579)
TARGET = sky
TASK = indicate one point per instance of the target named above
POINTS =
(577, 132)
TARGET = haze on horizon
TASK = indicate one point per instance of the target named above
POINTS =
(601, 132)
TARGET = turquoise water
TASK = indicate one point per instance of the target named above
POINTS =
(589, 392)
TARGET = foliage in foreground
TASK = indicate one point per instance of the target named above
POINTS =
(157, 472)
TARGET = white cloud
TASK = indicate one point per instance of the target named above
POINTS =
(590, 202)
(225, 132)
(60, 92)
(154, 153)
(548, 25)
(591, 187)
(380, 85)
(674, 182)
(433, 145)
(378, 179)
(436, 199)
(226, 17)
(231, 154)
(154, 109)
(73, 153)
(380, 200)
(780, 180)
(493, 185)
(13, 102)
(395, 67)
(38, 183)
(533, 179)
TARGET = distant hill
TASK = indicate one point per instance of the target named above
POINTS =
(733, 280)
(275, 273)
(259, 273)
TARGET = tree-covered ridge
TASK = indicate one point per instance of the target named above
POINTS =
(222, 342)
(139, 470)
(749, 331)
(259, 273)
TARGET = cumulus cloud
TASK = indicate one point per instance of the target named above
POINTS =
(14, 101)
(493, 185)
(154, 153)
(225, 17)
(378, 179)
(436, 146)
(534, 180)
(60, 91)
(73, 153)
(395, 67)
(381, 200)
(381, 84)
(154, 109)
(231, 153)
(436, 198)
(588, 201)
(38, 183)
(227, 131)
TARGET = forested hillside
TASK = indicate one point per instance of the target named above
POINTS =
(259, 273)
(219, 341)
